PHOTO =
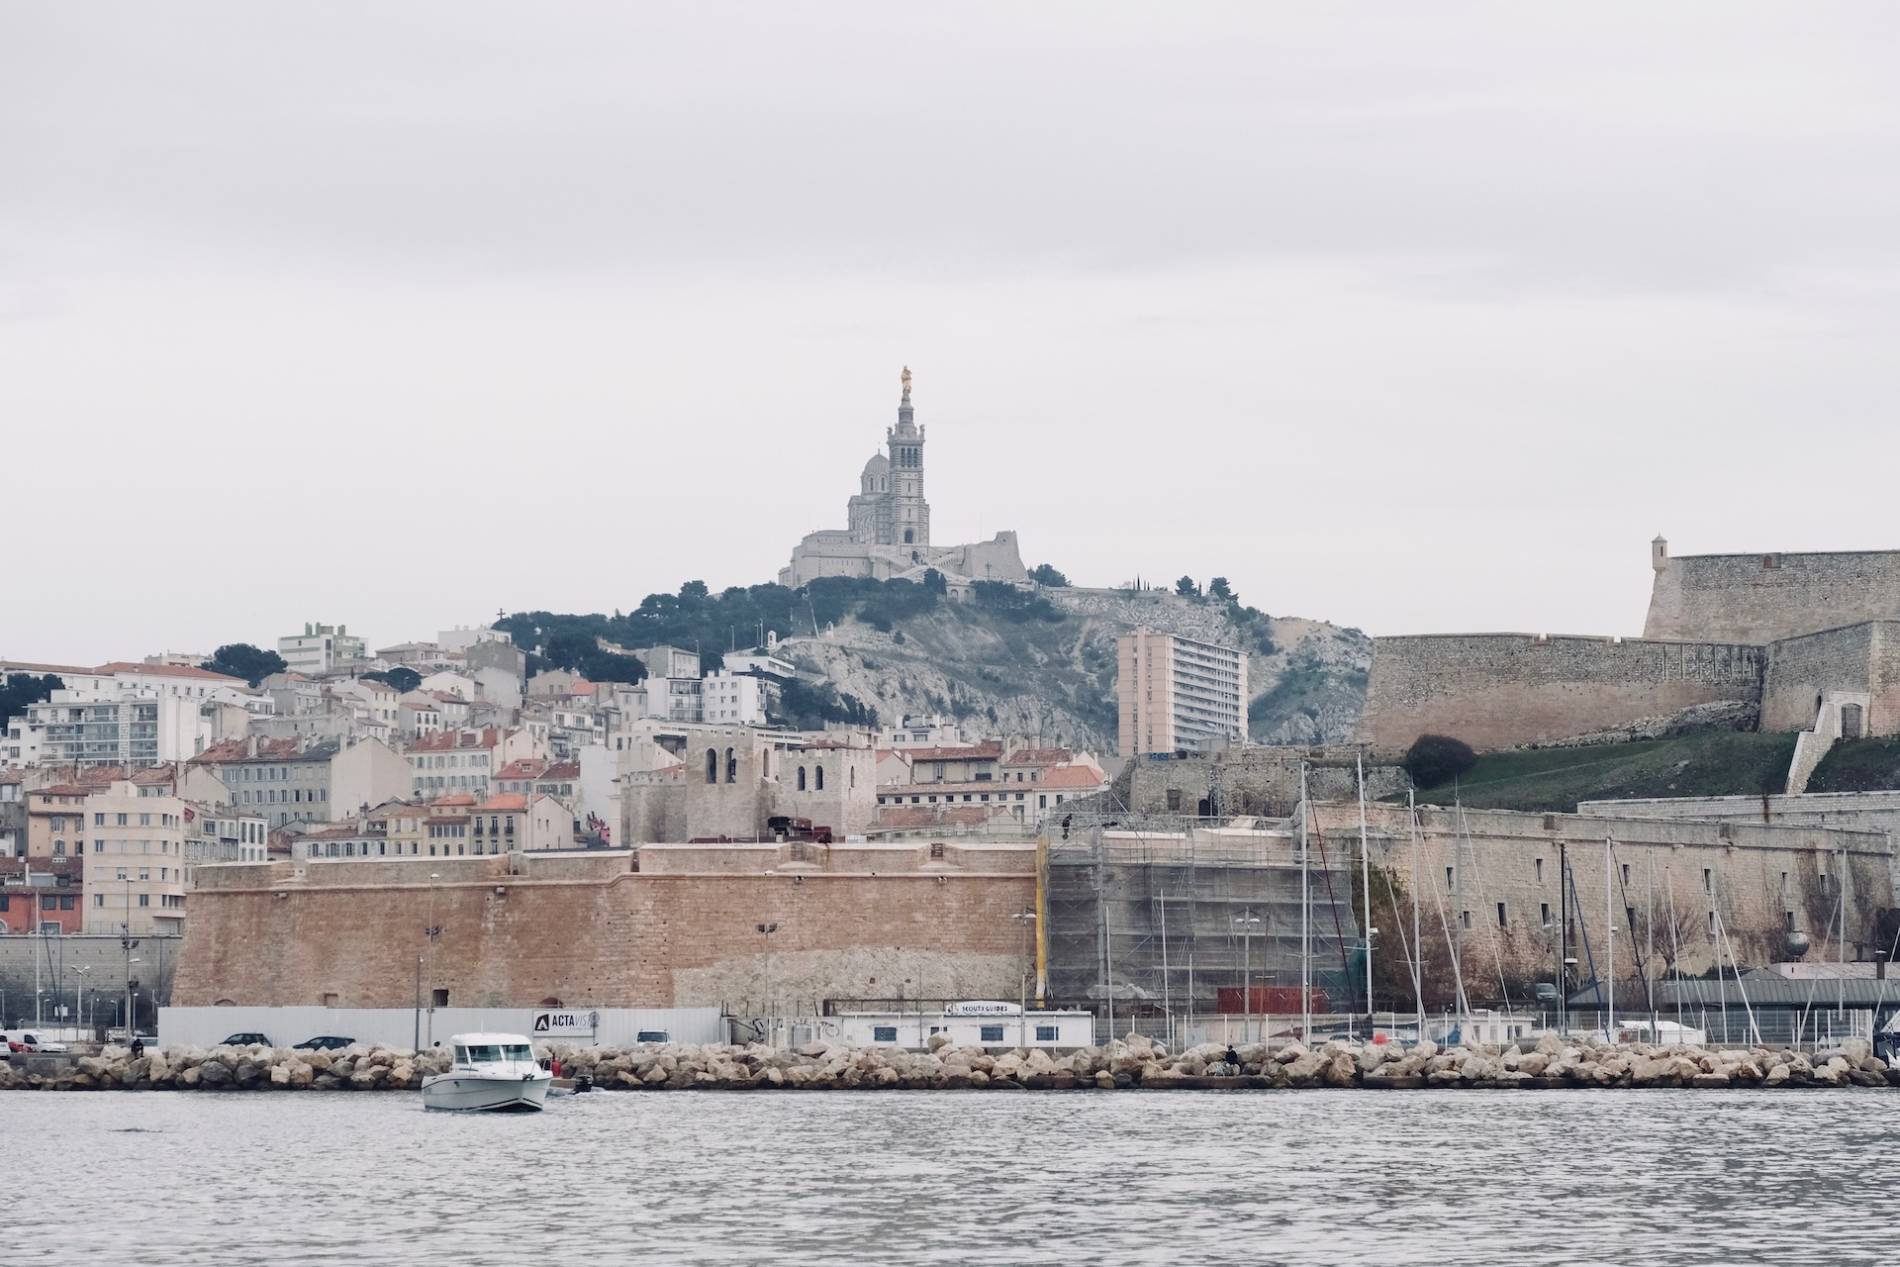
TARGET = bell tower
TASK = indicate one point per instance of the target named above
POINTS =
(910, 513)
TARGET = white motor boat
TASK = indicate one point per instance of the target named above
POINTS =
(493, 1073)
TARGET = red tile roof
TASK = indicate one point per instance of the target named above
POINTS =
(562, 770)
(1071, 776)
(168, 670)
(508, 801)
(524, 768)
(988, 751)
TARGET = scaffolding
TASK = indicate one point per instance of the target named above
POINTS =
(1187, 931)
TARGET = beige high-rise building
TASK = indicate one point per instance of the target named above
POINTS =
(1179, 694)
(135, 860)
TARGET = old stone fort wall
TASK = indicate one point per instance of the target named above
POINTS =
(1762, 598)
(1766, 632)
(1504, 690)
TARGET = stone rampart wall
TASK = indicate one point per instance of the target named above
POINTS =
(1857, 658)
(1763, 879)
(628, 940)
(1258, 781)
(1759, 598)
(1508, 690)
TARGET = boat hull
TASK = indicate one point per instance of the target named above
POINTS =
(479, 1093)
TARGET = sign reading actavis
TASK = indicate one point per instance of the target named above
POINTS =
(564, 1024)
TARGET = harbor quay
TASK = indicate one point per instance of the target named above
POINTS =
(1133, 1063)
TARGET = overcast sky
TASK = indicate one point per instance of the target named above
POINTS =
(1410, 317)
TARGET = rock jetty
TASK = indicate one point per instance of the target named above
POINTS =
(1133, 1062)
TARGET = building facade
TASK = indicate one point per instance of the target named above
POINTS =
(1179, 694)
(320, 648)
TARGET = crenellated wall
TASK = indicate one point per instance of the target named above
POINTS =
(1507, 690)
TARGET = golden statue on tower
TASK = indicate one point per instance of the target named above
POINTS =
(904, 378)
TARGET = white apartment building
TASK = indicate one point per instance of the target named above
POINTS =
(134, 715)
(135, 862)
(1179, 694)
(320, 648)
(728, 698)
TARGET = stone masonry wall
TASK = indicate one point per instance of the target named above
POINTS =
(1256, 781)
(1508, 690)
(1758, 598)
(1801, 669)
(262, 936)
(1763, 879)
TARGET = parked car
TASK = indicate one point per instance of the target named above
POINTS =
(324, 1042)
(245, 1038)
(31, 1042)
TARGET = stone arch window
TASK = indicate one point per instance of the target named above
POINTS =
(852, 779)
(821, 779)
(909, 536)
(1851, 721)
(712, 765)
(732, 767)
(801, 778)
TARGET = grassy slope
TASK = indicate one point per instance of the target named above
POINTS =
(1717, 763)
(1859, 765)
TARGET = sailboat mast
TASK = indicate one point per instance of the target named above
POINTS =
(1418, 945)
(1365, 881)
(1306, 963)
(1609, 938)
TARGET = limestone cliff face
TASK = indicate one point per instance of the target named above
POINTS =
(1056, 678)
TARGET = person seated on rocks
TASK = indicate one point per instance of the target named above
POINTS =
(138, 1047)
(1232, 1057)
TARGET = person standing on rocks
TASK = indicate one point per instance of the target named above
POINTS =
(1232, 1057)
(138, 1047)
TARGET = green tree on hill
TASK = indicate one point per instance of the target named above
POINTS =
(241, 659)
(402, 678)
(22, 689)
(1046, 574)
(1186, 588)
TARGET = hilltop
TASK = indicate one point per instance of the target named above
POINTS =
(1032, 662)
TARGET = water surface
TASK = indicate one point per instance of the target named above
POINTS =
(1311, 1177)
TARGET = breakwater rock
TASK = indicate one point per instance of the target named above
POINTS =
(255, 1068)
(1122, 1063)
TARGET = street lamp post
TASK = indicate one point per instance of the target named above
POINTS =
(1024, 917)
(79, 993)
(1246, 921)
(126, 943)
(771, 1022)
(433, 930)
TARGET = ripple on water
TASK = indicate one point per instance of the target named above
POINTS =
(1342, 1177)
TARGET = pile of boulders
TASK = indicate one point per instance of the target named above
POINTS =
(253, 1068)
(1135, 1061)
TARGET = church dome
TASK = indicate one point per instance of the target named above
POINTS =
(877, 474)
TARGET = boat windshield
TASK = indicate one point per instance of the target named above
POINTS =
(483, 1053)
(517, 1051)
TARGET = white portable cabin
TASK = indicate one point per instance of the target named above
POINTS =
(998, 1025)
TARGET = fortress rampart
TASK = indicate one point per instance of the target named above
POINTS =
(1760, 598)
(1863, 658)
(1507, 690)
(588, 931)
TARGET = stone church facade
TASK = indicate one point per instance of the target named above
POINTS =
(888, 532)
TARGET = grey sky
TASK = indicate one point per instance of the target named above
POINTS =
(1414, 317)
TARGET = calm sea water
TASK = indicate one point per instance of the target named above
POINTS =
(1663, 1177)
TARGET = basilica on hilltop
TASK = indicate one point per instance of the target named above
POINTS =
(889, 525)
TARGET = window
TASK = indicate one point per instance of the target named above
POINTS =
(712, 765)
(145, 899)
(801, 778)
(992, 1034)
(59, 848)
(1540, 870)
(1708, 880)
(1045, 1033)
(884, 1033)
(1711, 923)
(732, 766)
(1450, 877)
(1174, 798)
(1787, 920)
(1626, 873)
(98, 820)
(1543, 914)
(1464, 919)
(145, 820)
(122, 821)
(819, 779)
(1502, 921)
(98, 900)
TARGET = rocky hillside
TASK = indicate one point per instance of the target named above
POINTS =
(1052, 674)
